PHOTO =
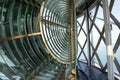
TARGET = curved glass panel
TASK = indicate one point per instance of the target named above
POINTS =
(55, 29)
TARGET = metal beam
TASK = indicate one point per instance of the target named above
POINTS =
(108, 40)
(20, 36)
(54, 23)
(88, 37)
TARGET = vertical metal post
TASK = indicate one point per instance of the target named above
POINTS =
(73, 32)
(75, 36)
(71, 29)
(108, 40)
(88, 37)
(91, 41)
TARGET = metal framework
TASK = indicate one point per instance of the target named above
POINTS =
(99, 33)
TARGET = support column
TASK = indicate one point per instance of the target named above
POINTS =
(88, 37)
(109, 49)
(76, 38)
(73, 31)
(73, 34)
